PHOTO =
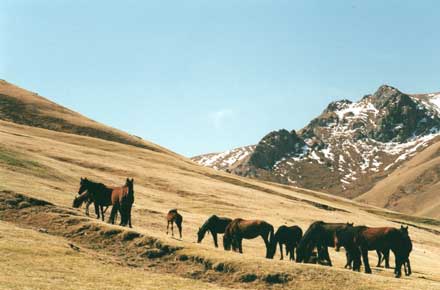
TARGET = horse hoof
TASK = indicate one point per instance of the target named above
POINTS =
(368, 271)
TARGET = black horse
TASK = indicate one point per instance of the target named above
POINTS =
(290, 238)
(319, 235)
(215, 225)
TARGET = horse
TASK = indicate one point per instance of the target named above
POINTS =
(85, 197)
(126, 203)
(215, 225)
(174, 217)
(321, 236)
(240, 229)
(359, 240)
(121, 198)
(290, 237)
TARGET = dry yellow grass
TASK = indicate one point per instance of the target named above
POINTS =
(47, 165)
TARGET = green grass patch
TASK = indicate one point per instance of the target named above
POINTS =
(14, 159)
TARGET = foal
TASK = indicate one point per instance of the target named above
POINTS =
(174, 217)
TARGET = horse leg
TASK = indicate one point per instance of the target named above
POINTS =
(386, 256)
(266, 242)
(179, 226)
(281, 250)
(172, 229)
(398, 268)
(214, 237)
(292, 253)
(240, 247)
(379, 258)
(101, 209)
(129, 215)
(349, 260)
(113, 213)
(168, 225)
(87, 207)
(365, 258)
(407, 267)
(326, 256)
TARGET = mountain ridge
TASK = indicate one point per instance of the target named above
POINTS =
(348, 148)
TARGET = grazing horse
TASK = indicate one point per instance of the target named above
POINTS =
(85, 197)
(240, 229)
(121, 198)
(359, 240)
(174, 217)
(290, 237)
(321, 236)
(215, 225)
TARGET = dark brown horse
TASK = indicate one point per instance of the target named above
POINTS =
(121, 198)
(240, 229)
(289, 237)
(174, 217)
(361, 239)
(215, 225)
(319, 235)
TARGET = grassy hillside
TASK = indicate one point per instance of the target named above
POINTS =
(24, 107)
(47, 165)
(412, 188)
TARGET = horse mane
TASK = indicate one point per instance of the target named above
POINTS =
(174, 210)
(205, 226)
(98, 185)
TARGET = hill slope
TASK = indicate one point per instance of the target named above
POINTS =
(412, 188)
(39, 177)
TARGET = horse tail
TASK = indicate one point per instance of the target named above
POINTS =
(272, 246)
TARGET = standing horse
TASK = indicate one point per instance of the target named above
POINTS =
(215, 225)
(321, 236)
(240, 229)
(125, 202)
(174, 217)
(104, 196)
(359, 240)
(288, 236)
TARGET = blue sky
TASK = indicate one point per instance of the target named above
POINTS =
(206, 76)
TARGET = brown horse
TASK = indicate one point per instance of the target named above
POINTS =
(240, 229)
(215, 225)
(361, 239)
(288, 236)
(121, 198)
(174, 217)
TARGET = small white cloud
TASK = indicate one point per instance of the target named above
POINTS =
(219, 117)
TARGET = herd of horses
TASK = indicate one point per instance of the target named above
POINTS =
(310, 247)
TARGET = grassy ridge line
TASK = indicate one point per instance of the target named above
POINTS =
(23, 107)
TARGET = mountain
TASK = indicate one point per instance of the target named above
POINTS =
(345, 150)
(47, 244)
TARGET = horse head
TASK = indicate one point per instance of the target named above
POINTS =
(404, 229)
(339, 239)
(76, 202)
(83, 184)
(200, 235)
(227, 242)
(130, 183)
